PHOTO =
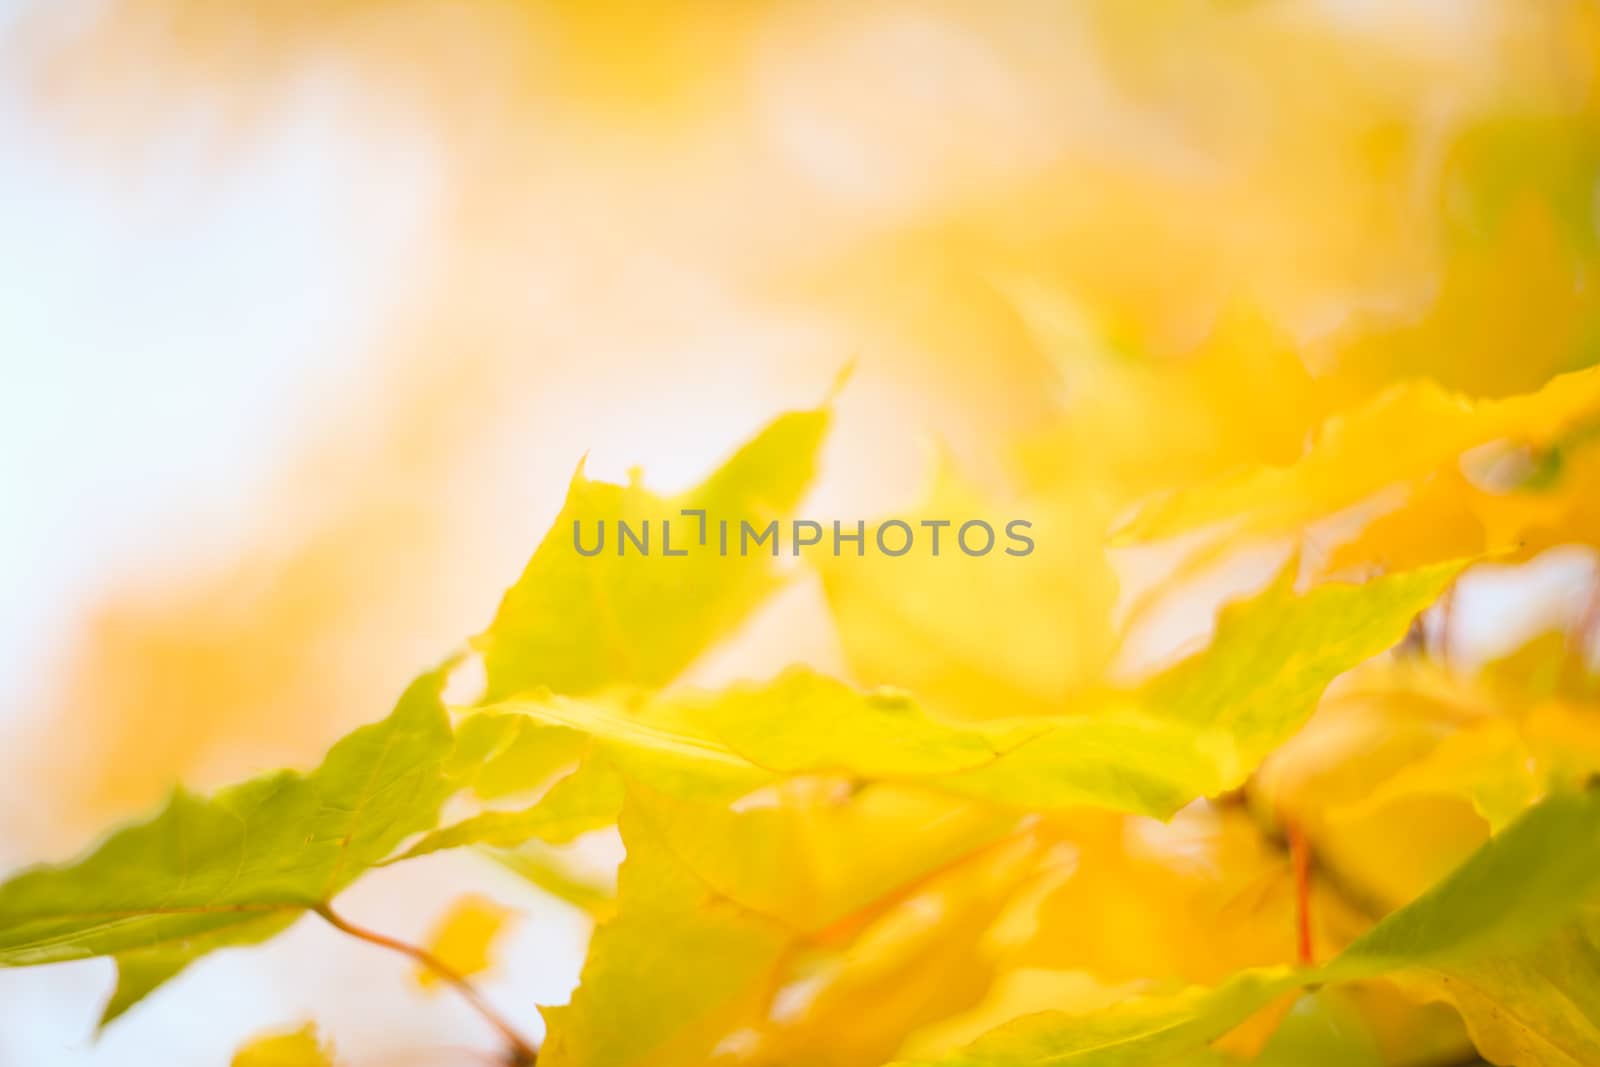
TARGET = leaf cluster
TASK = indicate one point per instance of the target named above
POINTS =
(985, 847)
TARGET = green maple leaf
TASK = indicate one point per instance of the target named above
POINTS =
(240, 865)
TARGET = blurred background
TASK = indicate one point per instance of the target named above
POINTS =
(310, 308)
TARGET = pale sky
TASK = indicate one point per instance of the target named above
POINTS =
(166, 327)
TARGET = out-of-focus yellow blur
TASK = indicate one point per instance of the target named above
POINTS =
(658, 223)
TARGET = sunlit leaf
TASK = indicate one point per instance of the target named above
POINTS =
(670, 974)
(1454, 758)
(497, 756)
(1134, 426)
(807, 852)
(575, 624)
(924, 955)
(1195, 730)
(731, 897)
(1357, 453)
(1518, 888)
(987, 635)
(1538, 1007)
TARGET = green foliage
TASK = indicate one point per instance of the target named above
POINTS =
(241, 865)
(1196, 730)
(575, 624)
(787, 841)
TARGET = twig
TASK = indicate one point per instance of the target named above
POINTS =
(1300, 856)
(523, 1051)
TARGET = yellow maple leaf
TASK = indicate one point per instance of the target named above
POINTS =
(464, 938)
(299, 1048)
(987, 635)
(1400, 436)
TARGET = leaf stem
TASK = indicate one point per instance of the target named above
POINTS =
(1580, 638)
(523, 1051)
(1300, 856)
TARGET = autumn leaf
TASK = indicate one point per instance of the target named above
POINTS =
(725, 900)
(1195, 730)
(499, 756)
(1016, 994)
(751, 815)
(1548, 500)
(1355, 455)
(1520, 886)
(918, 958)
(575, 624)
(1133, 426)
(981, 636)
(240, 865)
(804, 852)
(670, 974)
(1454, 757)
